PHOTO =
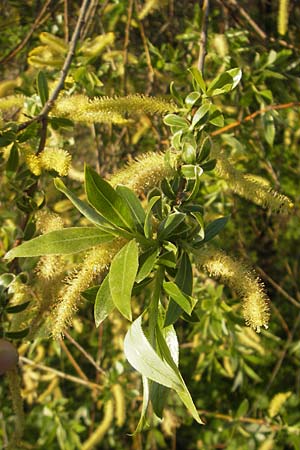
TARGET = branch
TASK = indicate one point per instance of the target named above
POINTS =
(22, 44)
(64, 71)
(203, 35)
(253, 115)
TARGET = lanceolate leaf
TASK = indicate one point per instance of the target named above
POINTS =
(183, 300)
(106, 200)
(61, 242)
(144, 359)
(104, 304)
(86, 210)
(122, 275)
(134, 204)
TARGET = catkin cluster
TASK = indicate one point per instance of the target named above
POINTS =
(49, 159)
(255, 303)
(144, 173)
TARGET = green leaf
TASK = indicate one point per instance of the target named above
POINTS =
(42, 87)
(197, 76)
(122, 275)
(225, 82)
(269, 128)
(17, 308)
(216, 117)
(13, 160)
(145, 360)
(86, 210)
(200, 113)
(90, 294)
(61, 242)
(147, 262)
(183, 279)
(143, 424)
(134, 204)
(148, 219)
(242, 409)
(17, 334)
(183, 393)
(185, 302)
(169, 225)
(106, 201)
(192, 98)
(214, 228)
(104, 304)
(172, 120)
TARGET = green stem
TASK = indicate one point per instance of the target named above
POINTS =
(153, 307)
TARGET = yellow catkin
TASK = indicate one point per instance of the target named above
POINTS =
(250, 188)
(144, 173)
(93, 48)
(247, 337)
(95, 263)
(97, 436)
(33, 162)
(55, 159)
(119, 398)
(11, 101)
(111, 110)
(283, 16)
(55, 43)
(149, 7)
(50, 388)
(7, 86)
(277, 402)
(14, 384)
(255, 303)
(47, 221)
(268, 444)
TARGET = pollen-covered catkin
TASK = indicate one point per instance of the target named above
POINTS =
(250, 188)
(95, 263)
(277, 402)
(144, 173)
(255, 303)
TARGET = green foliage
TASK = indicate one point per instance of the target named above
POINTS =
(138, 271)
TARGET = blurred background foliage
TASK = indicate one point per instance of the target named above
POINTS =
(245, 385)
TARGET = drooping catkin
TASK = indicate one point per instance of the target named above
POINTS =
(14, 383)
(97, 436)
(251, 188)
(119, 398)
(255, 303)
(94, 264)
(144, 173)
(277, 402)
(283, 16)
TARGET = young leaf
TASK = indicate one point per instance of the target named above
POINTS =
(13, 160)
(146, 264)
(104, 304)
(106, 201)
(169, 225)
(214, 228)
(61, 242)
(122, 275)
(197, 76)
(225, 82)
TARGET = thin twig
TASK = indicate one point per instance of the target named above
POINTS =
(61, 374)
(147, 53)
(72, 361)
(203, 35)
(265, 276)
(85, 353)
(227, 418)
(126, 43)
(22, 44)
(254, 115)
(89, 17)
(66, 20)
(64, 71)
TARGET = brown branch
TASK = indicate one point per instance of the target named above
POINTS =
(66, 20)
(126, 42)
(252, 116)
(203, 35)
(60, 374)
(85, 353)
(22, 44)
(72, 361)
(64, 71)
(227, 418)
